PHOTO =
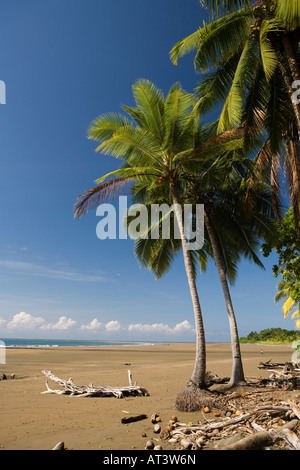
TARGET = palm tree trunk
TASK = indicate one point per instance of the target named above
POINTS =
(198, 376)
(290, 55)
(290, 93)
(237, 374)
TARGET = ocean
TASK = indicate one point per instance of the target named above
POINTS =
(55, 343)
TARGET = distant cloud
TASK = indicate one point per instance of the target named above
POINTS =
(63, 323)
(113, 326)
(93, 325)
(25, 321)
(159, 328)
(21, 267)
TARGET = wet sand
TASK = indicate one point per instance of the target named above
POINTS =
(34, 421)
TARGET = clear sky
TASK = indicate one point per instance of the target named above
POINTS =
(64, 62)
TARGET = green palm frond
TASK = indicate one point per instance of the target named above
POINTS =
(130, 143)
(179, 118)
(288, 12)
(104, 126)
(185, 46)
(222, 38)
(150, 105)
(213, 87)
(232, 111)
(267, 53)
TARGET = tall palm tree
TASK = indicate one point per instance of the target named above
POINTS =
(230, 234)
(155, 141)
(250, 58)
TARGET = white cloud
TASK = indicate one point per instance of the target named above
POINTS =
(182, 327)
(25, 321)
(145, 328)
(63, 323)
(93, 325)
(20, 267)
(113, 326)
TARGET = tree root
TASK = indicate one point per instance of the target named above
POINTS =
(193, 398)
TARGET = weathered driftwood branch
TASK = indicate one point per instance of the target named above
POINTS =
(287, 435)
(261, 439)
(69, 388)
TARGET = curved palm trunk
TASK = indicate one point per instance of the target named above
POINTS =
(237, 374)
(295, 74)
(198, 375)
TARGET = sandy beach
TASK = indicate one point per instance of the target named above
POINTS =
(34, 421)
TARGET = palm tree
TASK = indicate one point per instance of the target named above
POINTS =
(155, 143)
(219, 185)
(249, 70)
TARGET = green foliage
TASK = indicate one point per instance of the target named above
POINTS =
(286, 242)
(271, 335)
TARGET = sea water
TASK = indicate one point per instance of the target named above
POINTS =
(48, 343)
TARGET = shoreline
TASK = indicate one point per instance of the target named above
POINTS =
(36, 421)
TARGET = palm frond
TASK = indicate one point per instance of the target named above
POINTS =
(288, 12)
(222, 38)
(150, 104)
(105, 125)
(129, 143)
(184, 46)
(98, 194)
(267, 53)
(224, 6)
(213, 87)
(179, 115)
(232, 111)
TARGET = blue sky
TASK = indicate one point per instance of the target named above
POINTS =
(64, 63)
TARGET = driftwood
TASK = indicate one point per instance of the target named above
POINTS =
(69, 388)
(59, 446)
(285, 375)
(287, 435)
(131, 419)
(260, 427)
(261, 439)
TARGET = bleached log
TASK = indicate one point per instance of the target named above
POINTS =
(287, 435)
(208, 427)
(295, 408)
(69, 388)
(261, 439)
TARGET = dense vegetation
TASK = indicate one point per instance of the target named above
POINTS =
(286, 242)
(272, 335)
